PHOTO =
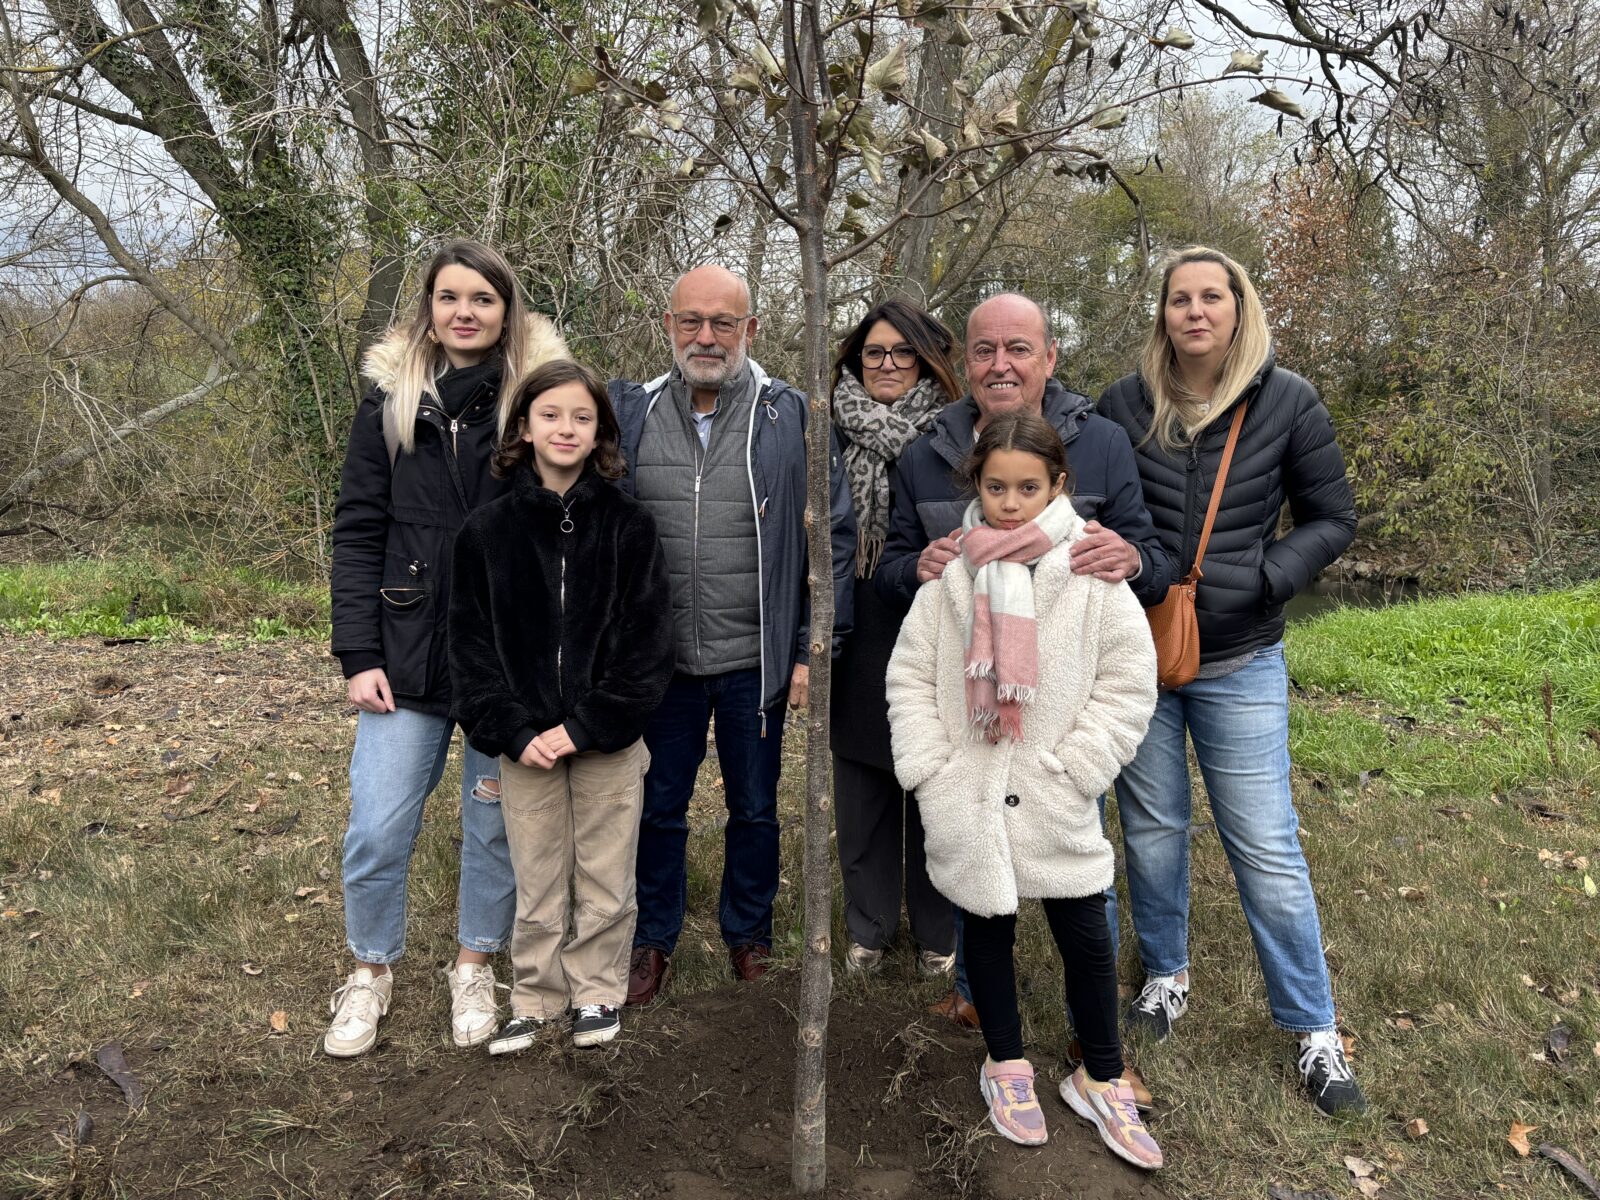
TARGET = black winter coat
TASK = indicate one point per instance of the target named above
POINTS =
(1286, 451)
(550, 627)
(393, 532)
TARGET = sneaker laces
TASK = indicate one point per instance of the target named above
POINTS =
(1020, 1088)
(356, 1001)
(587, 1011)
(477, 989)
(1165, 993)
(1330, 1054)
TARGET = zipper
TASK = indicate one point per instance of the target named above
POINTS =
(452, 460)
(700, 455)
(1191, 489)
(561, 593)
(761, 590)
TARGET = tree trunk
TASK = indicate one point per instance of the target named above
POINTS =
(807, 86)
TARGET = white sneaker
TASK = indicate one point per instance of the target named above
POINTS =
(357, 1008)
(472, 1003)
(859, 960)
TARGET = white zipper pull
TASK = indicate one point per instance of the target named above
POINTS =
(763, 722)
(697, 485)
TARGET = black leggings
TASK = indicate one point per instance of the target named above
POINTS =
(1084, 941)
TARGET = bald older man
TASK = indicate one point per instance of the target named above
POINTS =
(1011, 360)
(716, 450)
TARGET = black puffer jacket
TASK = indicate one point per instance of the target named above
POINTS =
(1286, 451)
(393, 529)
(551, 627)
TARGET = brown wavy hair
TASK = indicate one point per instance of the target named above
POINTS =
(927, 335)
(1026, 431)
(513, 452)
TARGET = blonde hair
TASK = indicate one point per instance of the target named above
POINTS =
(422, 360)
(1179, 416)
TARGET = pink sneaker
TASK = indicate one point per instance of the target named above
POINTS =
(1109, 1107)
(1013, 1104)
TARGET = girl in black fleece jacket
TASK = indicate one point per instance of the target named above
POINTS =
(560, 650)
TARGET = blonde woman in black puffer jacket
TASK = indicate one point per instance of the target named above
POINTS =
(1207, 354)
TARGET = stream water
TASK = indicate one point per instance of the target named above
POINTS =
(1326, 594)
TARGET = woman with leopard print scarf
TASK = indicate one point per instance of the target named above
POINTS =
(891, 379)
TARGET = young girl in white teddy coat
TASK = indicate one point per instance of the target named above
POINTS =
(1017, 690)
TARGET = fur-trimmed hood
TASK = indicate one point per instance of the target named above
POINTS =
(381, 363)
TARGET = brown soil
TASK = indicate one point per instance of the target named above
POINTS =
(692, 1103)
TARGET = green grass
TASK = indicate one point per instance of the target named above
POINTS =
(1441, 696)
(1448, 989)
(156, 599)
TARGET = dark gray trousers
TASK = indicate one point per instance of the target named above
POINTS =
(880, 846)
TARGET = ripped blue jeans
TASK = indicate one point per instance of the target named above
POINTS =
(398, 761)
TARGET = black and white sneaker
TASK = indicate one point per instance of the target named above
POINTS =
(1164, 999)
(516, 1034)
(1325, 1075)
(593, 1024)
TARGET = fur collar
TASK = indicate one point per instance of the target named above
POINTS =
(381, 364)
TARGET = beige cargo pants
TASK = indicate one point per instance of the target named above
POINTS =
(573, 829)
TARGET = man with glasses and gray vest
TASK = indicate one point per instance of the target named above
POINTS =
(716, 450)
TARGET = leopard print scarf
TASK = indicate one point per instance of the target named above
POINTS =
(875, 435)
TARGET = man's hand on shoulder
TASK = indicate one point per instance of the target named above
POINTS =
(1104, 554)
(936, 556)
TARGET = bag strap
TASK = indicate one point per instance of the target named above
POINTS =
(1216, 493)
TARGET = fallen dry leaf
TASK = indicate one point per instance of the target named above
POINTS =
(1348, 1040)
(300, 893)
(1518, 1137)
(180, 785)
(1416, 1128)
(1414, 894)
(139, 989)
(279, 1021)
(1368, 1187)
(250, 968)
(291, 917)
(1359, 1167)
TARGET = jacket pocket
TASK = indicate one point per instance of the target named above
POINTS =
(406, 624)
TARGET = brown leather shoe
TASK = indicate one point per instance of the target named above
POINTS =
(956, 1010)
(648, 972)
(750, 961)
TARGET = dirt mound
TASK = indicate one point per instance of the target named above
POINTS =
(691, 1103)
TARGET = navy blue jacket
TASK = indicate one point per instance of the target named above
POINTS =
(776, 462)
(929, 503)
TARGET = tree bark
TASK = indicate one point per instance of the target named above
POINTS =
(807, 88)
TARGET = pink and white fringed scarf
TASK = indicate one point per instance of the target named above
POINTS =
(1002, 663)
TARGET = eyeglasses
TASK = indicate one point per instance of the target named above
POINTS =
(722, 326)
(902, 356)
(985, 353)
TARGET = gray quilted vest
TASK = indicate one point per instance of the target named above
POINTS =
(700, 499)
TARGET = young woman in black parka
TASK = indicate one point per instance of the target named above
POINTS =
(560, 650)
(417, 463)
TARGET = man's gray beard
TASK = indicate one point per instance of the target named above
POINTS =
(713, 377)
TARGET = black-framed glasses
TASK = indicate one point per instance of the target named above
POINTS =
(722, 325)
(903, 356)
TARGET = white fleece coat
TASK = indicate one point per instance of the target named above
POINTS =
(1006, 820)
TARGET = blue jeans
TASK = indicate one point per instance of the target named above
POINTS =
(965, 989)
(676, 739)
(398, 761)
(1240, 728)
